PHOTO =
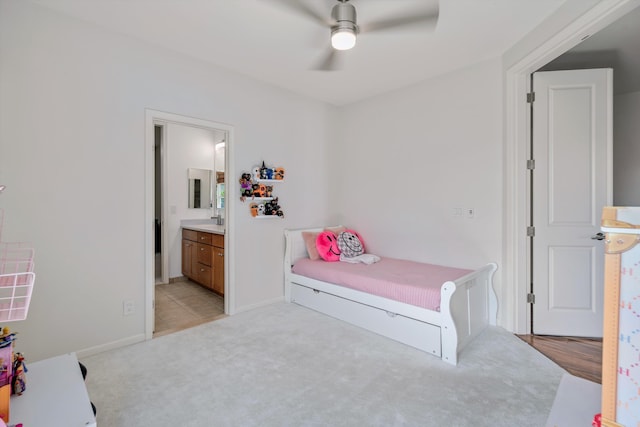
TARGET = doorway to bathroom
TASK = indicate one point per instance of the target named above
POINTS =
(178, 147)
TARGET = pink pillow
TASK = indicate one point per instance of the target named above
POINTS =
(309, 238)
(327, 245)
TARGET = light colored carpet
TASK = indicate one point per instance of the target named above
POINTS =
(285, 365)
(576, 402)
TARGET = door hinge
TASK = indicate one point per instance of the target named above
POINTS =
(531, 231)
(531, 97)
(531, 298)
(531, 164)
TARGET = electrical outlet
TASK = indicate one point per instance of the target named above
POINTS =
(470, 212)
(128, 307)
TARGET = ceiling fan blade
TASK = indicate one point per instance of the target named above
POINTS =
(330, 61)
(305, 10)
(427, 19)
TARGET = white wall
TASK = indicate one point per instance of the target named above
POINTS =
(72, 129)
(72, 155)
(407, 159)
(626, 152)
(187, 147)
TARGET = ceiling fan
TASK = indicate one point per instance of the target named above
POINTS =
(344, 27)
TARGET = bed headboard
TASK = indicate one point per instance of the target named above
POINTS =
(295, 248)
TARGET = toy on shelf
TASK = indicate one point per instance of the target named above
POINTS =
(18, 380)
(269, 208)
(7, 337)
(258, 186)
(273, 208)
(245, 185)
(279, 174)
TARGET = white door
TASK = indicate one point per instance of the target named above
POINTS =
(572, 181)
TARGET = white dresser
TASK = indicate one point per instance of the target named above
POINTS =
(56, 396)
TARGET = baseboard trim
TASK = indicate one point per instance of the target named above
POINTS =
(110, 346)
(141, 337)
(258, 305)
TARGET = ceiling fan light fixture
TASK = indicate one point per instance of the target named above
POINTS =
(343, 38)
(343, 33)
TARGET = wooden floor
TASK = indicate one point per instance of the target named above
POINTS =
(184, 304)
(581, 357)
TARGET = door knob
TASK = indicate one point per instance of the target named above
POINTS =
(599, 236)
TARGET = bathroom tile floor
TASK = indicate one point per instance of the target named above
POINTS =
(184, 304)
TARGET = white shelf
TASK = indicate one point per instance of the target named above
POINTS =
(261, 200)
(258, 199)
(269, 181)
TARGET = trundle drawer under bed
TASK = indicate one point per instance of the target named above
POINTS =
(413, 332)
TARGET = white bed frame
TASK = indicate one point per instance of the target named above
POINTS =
(467, 306)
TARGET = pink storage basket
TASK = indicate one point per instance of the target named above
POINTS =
(16, 279)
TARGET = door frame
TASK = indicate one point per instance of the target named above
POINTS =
(164, 253)
(516, 211)
(151, 118)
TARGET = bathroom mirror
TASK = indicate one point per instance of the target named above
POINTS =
(200, 189)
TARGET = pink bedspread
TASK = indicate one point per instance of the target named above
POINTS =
(405, 281)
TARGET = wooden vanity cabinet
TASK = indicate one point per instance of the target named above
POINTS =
(203, 259)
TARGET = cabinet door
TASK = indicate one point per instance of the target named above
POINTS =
(218, 270)
(187, 258)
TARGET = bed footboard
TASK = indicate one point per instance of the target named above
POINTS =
(468, 305)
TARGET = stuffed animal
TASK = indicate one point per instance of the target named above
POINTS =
(272, 207)
(254, 209)
(245, 185)
(258, 190)
(261, 209)
(270, 172)
(268, 191)
(279, 173)
(263, 171)
(256, 173)
(350, 244)
(327, 246)
(268, 209)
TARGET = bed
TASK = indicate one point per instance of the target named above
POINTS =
(466, 303)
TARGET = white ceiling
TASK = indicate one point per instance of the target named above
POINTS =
(265, 40)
